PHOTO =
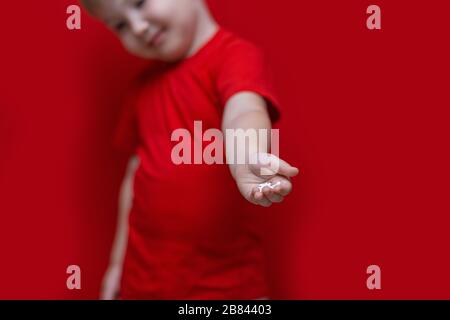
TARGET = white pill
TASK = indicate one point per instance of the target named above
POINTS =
(268, 184)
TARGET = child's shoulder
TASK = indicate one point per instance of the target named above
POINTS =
(232, 42)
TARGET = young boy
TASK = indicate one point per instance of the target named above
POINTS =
(191, 232)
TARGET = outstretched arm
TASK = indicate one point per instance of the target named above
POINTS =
(248, 110)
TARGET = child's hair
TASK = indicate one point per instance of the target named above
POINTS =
(89, 5)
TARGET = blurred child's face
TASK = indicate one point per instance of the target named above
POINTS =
(153, 29)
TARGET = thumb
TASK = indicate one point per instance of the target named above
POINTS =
(285, 169)
(272, 165)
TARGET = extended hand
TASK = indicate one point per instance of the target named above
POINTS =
(265, 168)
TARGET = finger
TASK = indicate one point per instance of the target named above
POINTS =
(265, 202)
(261, 199)
(254, 197)
(271, 165)
(284, 188)
(283, 168)
(273, 196)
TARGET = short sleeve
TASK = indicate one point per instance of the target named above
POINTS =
(244, 68)
(126, 136)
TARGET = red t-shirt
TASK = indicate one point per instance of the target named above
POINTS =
(191, 233)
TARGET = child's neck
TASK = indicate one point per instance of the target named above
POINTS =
(206, 29)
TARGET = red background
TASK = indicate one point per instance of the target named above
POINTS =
(367, 125)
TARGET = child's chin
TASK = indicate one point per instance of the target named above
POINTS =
(165, 52)
(172, 55)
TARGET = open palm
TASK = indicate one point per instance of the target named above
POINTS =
(265, 168)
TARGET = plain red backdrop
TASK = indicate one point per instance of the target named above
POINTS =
(367, 123)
